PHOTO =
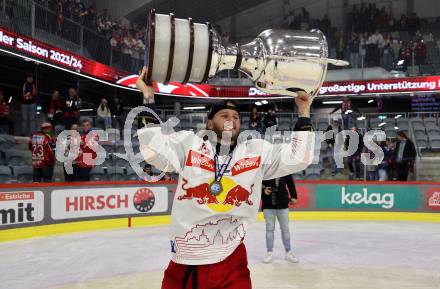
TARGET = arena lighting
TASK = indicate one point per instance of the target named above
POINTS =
(371, 100)
(193, 107)
(86, 109)
(70, 71)
(382, 124)
(396, 127)
(332, 102)
(258, 103)
(10, 99)
(264, 102)
(398, 116)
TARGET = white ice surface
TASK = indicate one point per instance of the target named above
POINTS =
(332, 255)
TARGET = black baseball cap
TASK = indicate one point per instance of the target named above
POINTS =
(228, 104)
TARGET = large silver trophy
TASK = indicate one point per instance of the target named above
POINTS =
(277, 61)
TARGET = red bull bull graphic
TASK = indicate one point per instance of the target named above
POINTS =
(238, 195)
(233, 195)
(201, 193)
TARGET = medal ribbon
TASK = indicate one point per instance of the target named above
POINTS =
(220, 169)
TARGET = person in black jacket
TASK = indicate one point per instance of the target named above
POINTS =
(404, 156)
(276, 197)
(354, 161)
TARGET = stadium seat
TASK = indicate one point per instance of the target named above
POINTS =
(23, 174)
(427, 69)
(434, 144)
(374, 122)
(285, 117)
(108, 147)
(420, 134)
(361, 124)
(115, 173)
(118, 162)
(14, 157)
(113, 134)
(422, 143)
(430, 123)
(5, 174)
(131, 175)
(198, 119)
(413, 70)
(322, 124)
(391, 133)
(119, 148)
(434, 133)
(402, 124)
(284, 125)
(59, 128)
(6, 142)
(108, 162)
(98, 174)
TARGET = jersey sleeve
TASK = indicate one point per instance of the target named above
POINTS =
(288, 158)
(165, 151)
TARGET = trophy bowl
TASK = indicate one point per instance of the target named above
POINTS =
(278, 61)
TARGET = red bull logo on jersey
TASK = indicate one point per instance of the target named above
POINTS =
(233, 195)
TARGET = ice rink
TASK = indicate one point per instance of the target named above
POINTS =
(332, 255)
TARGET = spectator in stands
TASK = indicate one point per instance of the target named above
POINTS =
(86, 159)
(405, 54)
(276, 197)
(127, 46)
(403, 23)
(363, 48)
(347, 113)
(55, 113)
(270, 119)
(379, 103)
(73, 104)
(28, 105)
(330, 137)
(71, 177)
(383, 166)
(354, 161)
(103, 114)
(420, 52)
(118, 112)
(255, 121)
(78, 10)
(353, 46)
(387, 55)
(42, 146)
(374, 45)
(169, 177)
(372, 170)
(148, 169)
(404, 156)
(413, 24)
(137, 53)
(339, 44)
(5, 116)
(325, 25)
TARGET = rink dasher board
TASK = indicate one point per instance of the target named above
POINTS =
(109, 200)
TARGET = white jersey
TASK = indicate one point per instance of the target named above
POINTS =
(206, 228)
